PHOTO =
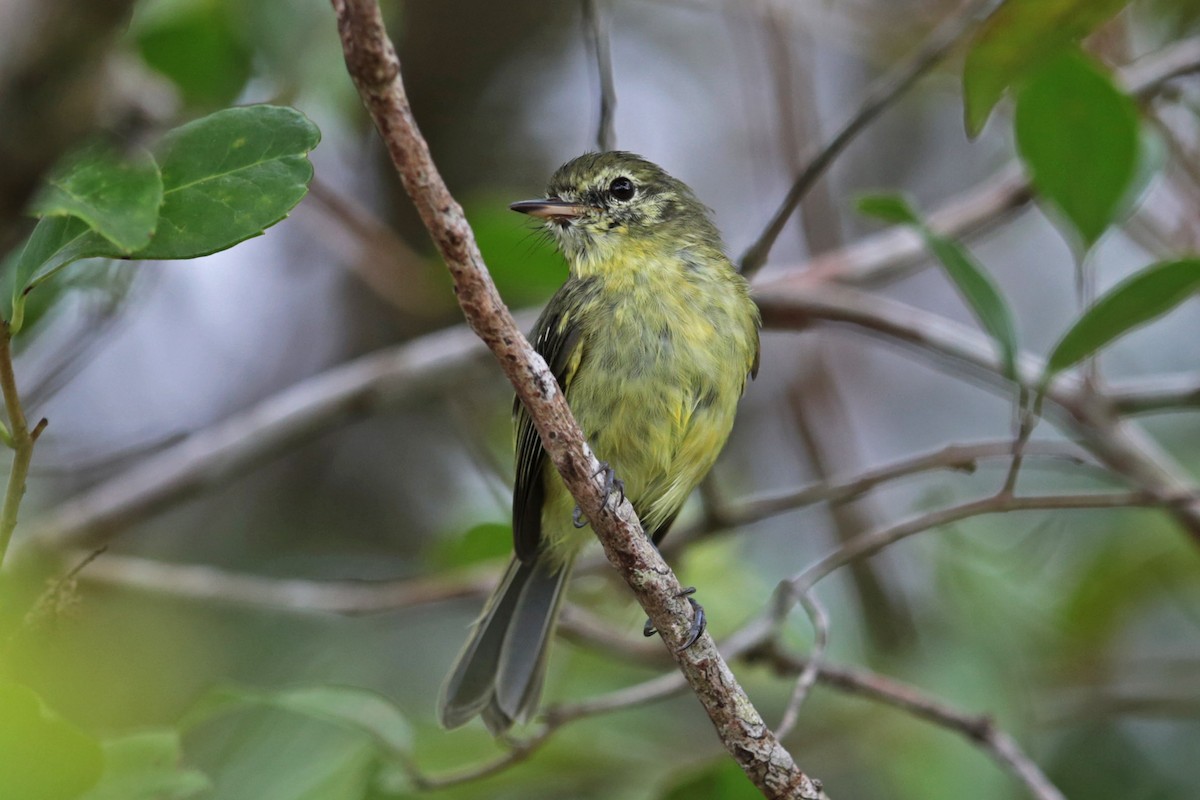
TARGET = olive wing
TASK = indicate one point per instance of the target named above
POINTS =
(556, 337)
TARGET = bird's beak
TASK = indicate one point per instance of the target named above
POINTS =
(550, 209)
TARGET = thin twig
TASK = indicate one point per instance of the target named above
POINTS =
(955, 457)
(895, 250)
(874, 541)
(880, 95)
(977, 729)
(213, 584)
(598, 40)
(1115, 442)
(375, 69)
(20, 438)
(808, 675)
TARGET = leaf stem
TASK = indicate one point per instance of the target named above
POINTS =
(21, 438)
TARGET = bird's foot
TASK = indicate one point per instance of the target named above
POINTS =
(611, 482)
(699, 621)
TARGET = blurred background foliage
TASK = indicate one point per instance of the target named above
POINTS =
(1077, 631)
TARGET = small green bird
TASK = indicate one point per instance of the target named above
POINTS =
(651, 338)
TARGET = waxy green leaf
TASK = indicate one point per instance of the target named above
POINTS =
(116, 194)
(54, 243)
(224, 178)
(1078, 136)
(1128, 305)
(1015, 40)
(229, 176)
(969, 277)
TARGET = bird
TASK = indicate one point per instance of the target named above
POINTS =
(652, 338)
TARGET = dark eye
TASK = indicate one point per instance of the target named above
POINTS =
(621, 189)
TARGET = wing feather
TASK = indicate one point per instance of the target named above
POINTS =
(556, 336)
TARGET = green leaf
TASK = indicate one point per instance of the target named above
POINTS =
(350, 707)
(41, 755)
(116, 194)
(1078, 136)
(969, 277)
(1128, 305)
(1015, 40)
(145, 766)
(173, 41)
(484, 542)
(54, 243)
(891, 208)
(228, 177)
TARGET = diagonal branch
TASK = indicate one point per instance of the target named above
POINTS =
(880, 95)
(1119, 444)
(980, 730)
(373, 65)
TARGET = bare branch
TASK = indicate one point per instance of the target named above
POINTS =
(1118, 444)
(597, 33)
(977, 729)
(874, 541)
(247, 439)
(1154, 395)
(808, 675)
(879, 96)
(892, 252)
(957, 457)
(373, 65)
(375, 253)
(216, 585)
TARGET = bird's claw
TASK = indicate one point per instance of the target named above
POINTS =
(699, 621)
(611, 482)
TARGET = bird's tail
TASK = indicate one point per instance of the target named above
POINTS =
(499, 672)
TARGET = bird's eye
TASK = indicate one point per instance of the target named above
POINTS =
(621, 188)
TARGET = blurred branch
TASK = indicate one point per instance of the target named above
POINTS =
(880, 96)
(17, 436)
(1115, 442)
(979, 730)
(373, 65)
(377, 255)
(894, 250)
(808, 675)
(598, 40)
(242, 441)
(215, 585)
(208, 583)
(956, 457)
(874, 541)
(1162, 393)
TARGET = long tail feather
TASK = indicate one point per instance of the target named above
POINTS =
(499, 672)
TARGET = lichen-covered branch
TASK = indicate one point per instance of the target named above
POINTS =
(375, 69)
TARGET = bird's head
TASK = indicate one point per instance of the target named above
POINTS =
(602, 206)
